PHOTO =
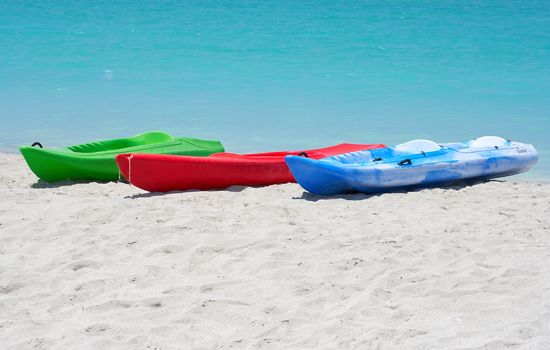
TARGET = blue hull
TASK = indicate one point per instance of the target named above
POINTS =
(417, 163)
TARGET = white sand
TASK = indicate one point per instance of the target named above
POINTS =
(102, 266)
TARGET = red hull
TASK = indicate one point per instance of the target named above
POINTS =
(163, 173)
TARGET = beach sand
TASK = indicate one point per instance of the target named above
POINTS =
(104, 266)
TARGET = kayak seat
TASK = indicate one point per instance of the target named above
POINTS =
(416, 147)
(108, 145)
(487, 142)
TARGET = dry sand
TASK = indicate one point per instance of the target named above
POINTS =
(105, 266)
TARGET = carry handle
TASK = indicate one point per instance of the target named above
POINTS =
(303, 154)
(37, 144)
(405, 162)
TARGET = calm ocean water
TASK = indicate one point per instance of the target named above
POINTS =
(265, 75)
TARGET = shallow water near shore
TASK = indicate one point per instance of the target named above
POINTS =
(263, 75)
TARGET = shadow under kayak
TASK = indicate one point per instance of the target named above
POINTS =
(96, 160)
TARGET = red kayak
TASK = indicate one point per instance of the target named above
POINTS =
(163, 173)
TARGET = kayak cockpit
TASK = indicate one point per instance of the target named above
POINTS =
(419, 148)
(147, 138)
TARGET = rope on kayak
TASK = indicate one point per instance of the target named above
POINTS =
(303, 154)
(130, 168)
(121, 177)
(37, 144)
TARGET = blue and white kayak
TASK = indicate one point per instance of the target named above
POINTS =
(414, 163)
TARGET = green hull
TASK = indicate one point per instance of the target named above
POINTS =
(96, 160)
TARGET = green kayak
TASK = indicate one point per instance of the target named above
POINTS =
(96, 160)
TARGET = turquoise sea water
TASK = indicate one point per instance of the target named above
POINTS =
(266, 75)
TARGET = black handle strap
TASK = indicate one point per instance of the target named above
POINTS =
(405, 162)
(37, 144)
(303, 154)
